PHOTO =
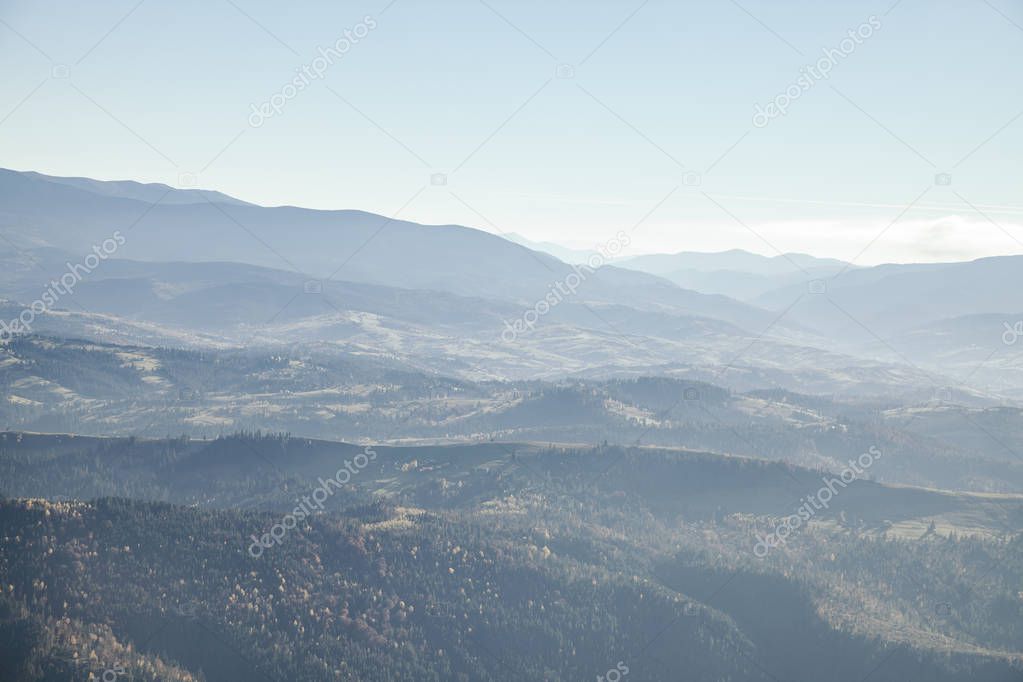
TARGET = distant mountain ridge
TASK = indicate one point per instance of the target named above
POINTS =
(733, 260)
(349, 245)
(151, 192)
(736, 273)
(563, 253)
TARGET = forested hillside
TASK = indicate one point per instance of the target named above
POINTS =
(427, 558)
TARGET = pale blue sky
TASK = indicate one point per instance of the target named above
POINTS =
(462, 91)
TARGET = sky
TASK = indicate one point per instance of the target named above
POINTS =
(560, 121)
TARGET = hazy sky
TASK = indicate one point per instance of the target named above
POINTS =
(653, 124)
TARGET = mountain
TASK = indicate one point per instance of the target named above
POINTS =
(219, 304)
(349, 245)
(742, 286)
(736, 273)
(899, 303)
(562, 253)
(151, 193)
(987, 348)
(734, 260)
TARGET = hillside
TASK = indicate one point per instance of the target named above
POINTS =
(441, 563)
(360, 393)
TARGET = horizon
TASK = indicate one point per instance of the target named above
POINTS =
(536, 244)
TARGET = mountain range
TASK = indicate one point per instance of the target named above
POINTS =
(201, 267)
